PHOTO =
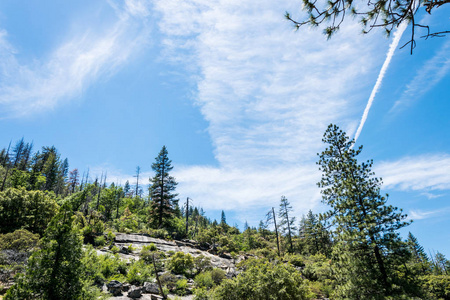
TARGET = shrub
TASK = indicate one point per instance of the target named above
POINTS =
(202, 263)
(100, 241)
(181, 287)
(19, 240)
(204, 280)
(217, 275)
(264, 280)
(138, 273)
(201, 294)
(181, 263)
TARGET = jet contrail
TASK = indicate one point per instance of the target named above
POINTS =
(397, 35)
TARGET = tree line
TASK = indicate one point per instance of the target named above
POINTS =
(352, 251)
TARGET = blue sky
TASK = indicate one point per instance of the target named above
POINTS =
(239, 98)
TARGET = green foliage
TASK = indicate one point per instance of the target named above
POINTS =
(202, 294)
(55, 272)
(181, 287)
(368, 255)
(181, 263)
(204, 280)
(202, 263)
(162, 186)
(264, 280)
(19, 240)
(139, 272)
(100, 241)
(438, 286)
(31, 210)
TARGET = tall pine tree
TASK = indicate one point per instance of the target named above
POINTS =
(162, 189)
(369, 254)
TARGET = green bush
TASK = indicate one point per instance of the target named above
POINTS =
(19, 240)
(217, 275)
(138, 273)
(201, 294)
(204, 280)
(181, 263)
(264, 280)
(181, 287)
(438, 286)
(202, 263)
(100, 241)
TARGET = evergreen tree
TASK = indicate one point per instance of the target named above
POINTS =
(223, 219)
(314, 235)
(54, 272)
(286, 223)
(418, 253)
(162, 187)
(369, 252)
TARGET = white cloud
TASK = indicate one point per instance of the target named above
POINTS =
(268, 94)
(424, 172)
(420, 214)
(432, 72)
(74, 65)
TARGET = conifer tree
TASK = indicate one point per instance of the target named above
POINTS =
(161, 190)
(286, 222)
(54, 272)
(369, 251)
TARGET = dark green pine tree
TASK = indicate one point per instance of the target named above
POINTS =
(54, 272)
(223, 219)
(369, 254)
(314, 235)
(419, 257)
(164, 202)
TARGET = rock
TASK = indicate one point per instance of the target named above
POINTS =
(115, 287)
(135, 292)
(124, 250)
(126, 287)
(151, 287)
(154, 297)
(226, 255)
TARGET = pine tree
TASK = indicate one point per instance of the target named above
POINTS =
(316, 238)
(162, 187)
(223, 219)
(286, 223)
(54, 272)
(368, 251)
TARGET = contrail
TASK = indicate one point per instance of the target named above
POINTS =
(397, 35)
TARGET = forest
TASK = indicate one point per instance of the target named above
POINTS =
(60, 229)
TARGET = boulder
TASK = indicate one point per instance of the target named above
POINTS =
(135, 292)
(115, 287)
(151, 287)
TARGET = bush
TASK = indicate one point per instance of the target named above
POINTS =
(181, 263)
(201, 294)
(204, 280)
(19, 240)
(100, 241)
(217, 275)
(181, 287)
(264, 280)
(138, 273)
(202, 263)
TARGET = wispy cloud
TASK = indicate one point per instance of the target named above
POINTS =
(394, 44)
(268, 94)
(424, 172)
(421, 214)
(432, 72)
(74, 65)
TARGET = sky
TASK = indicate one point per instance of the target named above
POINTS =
(239, 98)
